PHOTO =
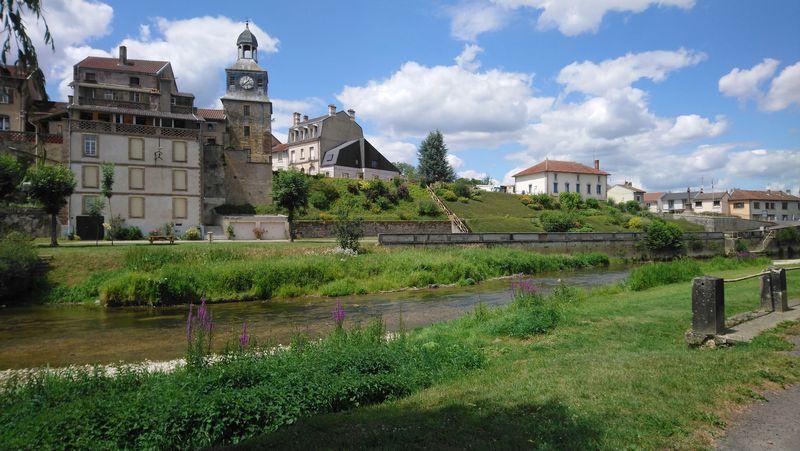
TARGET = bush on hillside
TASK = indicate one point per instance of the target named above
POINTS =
(323, 194)
(570, 201)
(427, 208)
(402, 192)
(635, 223)
(449, 196)
(663, 236)
(630, 206)
(462, 188)
(592, 203)
(558, 221)
(787, 236)
(17, 261)
(374, 189)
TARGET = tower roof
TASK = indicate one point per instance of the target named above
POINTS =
(246, 37)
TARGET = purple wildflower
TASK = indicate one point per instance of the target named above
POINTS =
(244, 339)
(338, 314)
(523, 287)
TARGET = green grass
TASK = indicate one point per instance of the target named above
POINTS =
(616, 375)
(166, 275)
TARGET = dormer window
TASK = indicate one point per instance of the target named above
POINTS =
(134, 81)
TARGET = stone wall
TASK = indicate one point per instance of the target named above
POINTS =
(31, 221)
(324, 229)
(724, 223)
(700, 244)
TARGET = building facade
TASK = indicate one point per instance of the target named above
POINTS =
(625, 192)
(131, 113)
(764, 205)
(716, 203)
(677, 202)
(555, 177)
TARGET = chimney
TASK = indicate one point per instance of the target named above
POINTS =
(331, 109)
(352, 113)
(597, 164)
(305, 118)
(123, 54)
(295, 118)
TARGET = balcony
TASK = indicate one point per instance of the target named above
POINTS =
(114, 103)
(134, 129)
(30, 137)
(182, 109)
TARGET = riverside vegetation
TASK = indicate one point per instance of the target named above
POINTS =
(155, 276)
(574, 369)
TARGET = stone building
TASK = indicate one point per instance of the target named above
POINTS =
(332, 145)
(130, 113)
(237, 140)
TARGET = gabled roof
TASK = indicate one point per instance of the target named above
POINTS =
(652, 197)
(711, 196)
(630, 187)
(211, 114)
(560, 166)
(743, 194)
(148, 67)
(680, 195)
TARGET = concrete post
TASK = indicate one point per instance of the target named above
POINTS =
(766, 293)
(708, 305)
(780, 302)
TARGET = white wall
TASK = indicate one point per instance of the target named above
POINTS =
(530, 184)
(275, 227)
(543, 183)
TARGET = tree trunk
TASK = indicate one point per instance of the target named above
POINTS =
(291, 229)
(53, 231)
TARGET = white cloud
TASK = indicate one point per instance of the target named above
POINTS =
(455, 162)
(592, 78)
(282, 110)
(745, 83)
(469, 19)
(394, 151)
(467, 59)
(784, 90)
(573, 17)
(473, 174)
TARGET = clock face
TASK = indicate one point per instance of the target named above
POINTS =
(246, 82)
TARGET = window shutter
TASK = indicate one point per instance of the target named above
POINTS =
(91, 176)
(179, 180)
(179, 151)
(136, 207)
(136, 149)
(179, 207)
(136, 178)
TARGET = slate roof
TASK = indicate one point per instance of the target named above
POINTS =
(680, 195)
(211, 114)
(560, 166)
(710, 196)
(149, 67)
(349, 155)
(743, 194)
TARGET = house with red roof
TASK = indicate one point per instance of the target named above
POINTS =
(555, 177)
(766, 205)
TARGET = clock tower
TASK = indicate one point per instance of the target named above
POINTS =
(248, 110)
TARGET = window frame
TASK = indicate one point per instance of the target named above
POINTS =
(131, 169)
(5, 122)
(185, 207)
(185, 151)
(130, 149)
(130, 207)
(84, 171)
(84, 201)
(246, 131)
(185, 180)
(84, 140)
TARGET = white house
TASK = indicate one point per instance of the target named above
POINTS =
(625, 192)
(711, 203)
(554, 177)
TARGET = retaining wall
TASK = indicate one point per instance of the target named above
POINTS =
(724, 223)
(30, 221)
(324, 229)
(698, 244)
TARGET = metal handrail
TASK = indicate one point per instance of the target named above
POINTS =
(752, 276)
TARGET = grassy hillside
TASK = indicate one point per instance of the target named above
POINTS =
(501, 212)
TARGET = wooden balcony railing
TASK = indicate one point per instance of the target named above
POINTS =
(182, 109)
(134, 129)
(114, 103)
(30, 137)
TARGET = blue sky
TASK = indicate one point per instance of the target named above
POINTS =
(665, 93)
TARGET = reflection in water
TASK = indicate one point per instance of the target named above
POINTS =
(61, 335)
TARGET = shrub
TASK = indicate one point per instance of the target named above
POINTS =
(348, 230)
(231, 209)
(531, 312)
(258, 232)
(427, 208)
(17, 261)
(630, 206)
(192, 234)
(449, 195)
(635, 223)
(740, 245)
(592, 203)
(229, 232)
(319, 201)
(463, 200)
(570, 201)
(663, 236)
(325, 216)
(462, 189)
(12, 171)
(558, 221)
(656, 274)
(353, 188)
(375, 189)
(402, 192)
(787, 235)
(323, 194)
(383, 203)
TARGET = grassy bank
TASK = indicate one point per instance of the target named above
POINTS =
(616, 375)
(152, 275)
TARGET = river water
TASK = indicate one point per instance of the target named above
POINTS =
(34, 336)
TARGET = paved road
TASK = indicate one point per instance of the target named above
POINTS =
(768, 425)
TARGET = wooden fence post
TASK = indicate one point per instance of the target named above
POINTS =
(708, 305)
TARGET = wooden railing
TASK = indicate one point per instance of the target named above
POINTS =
(30, 137)
(114, 103)
(134, 129)
(454, 219)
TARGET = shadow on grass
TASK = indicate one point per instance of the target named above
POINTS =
(548, 425)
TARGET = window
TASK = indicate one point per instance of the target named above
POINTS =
(136, 97)
(577, 187)
(179, 151)
(291, 159)
(90, 176)
(179, 180)
(280, 157)
(784, 205)
(555, 187)
(119, 119)
(136, 207)
(108, 95)
(89, 76)
(173, 101)
(756, 204)
(329, 157)
(716, 203)
(5, 123)
(134, 81)
(5, 95)
(246, 111)
(90, 145)
(311, 153)
(771, 206)
(136, 178)
(231, 80)
(555, 177)
(302, 153)
(566, 187)
(599, 189)
(136, 149)
(86, 201)
(260, 82)
(530, 186)
(698, 203)
(374, 164)
(588, 188)
(246, 131)
(346, 175)
(738, 205)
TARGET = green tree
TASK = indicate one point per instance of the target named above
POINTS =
(408, 171)
(12, 16)
(12, 171)
(433, 165)
(106, 188)
(348, 227)
(51, 185)
(290, 192)
(663, 236)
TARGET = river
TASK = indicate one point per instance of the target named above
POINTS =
(33, 336)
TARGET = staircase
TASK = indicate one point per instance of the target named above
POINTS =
(762, 246)
(457, 224)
